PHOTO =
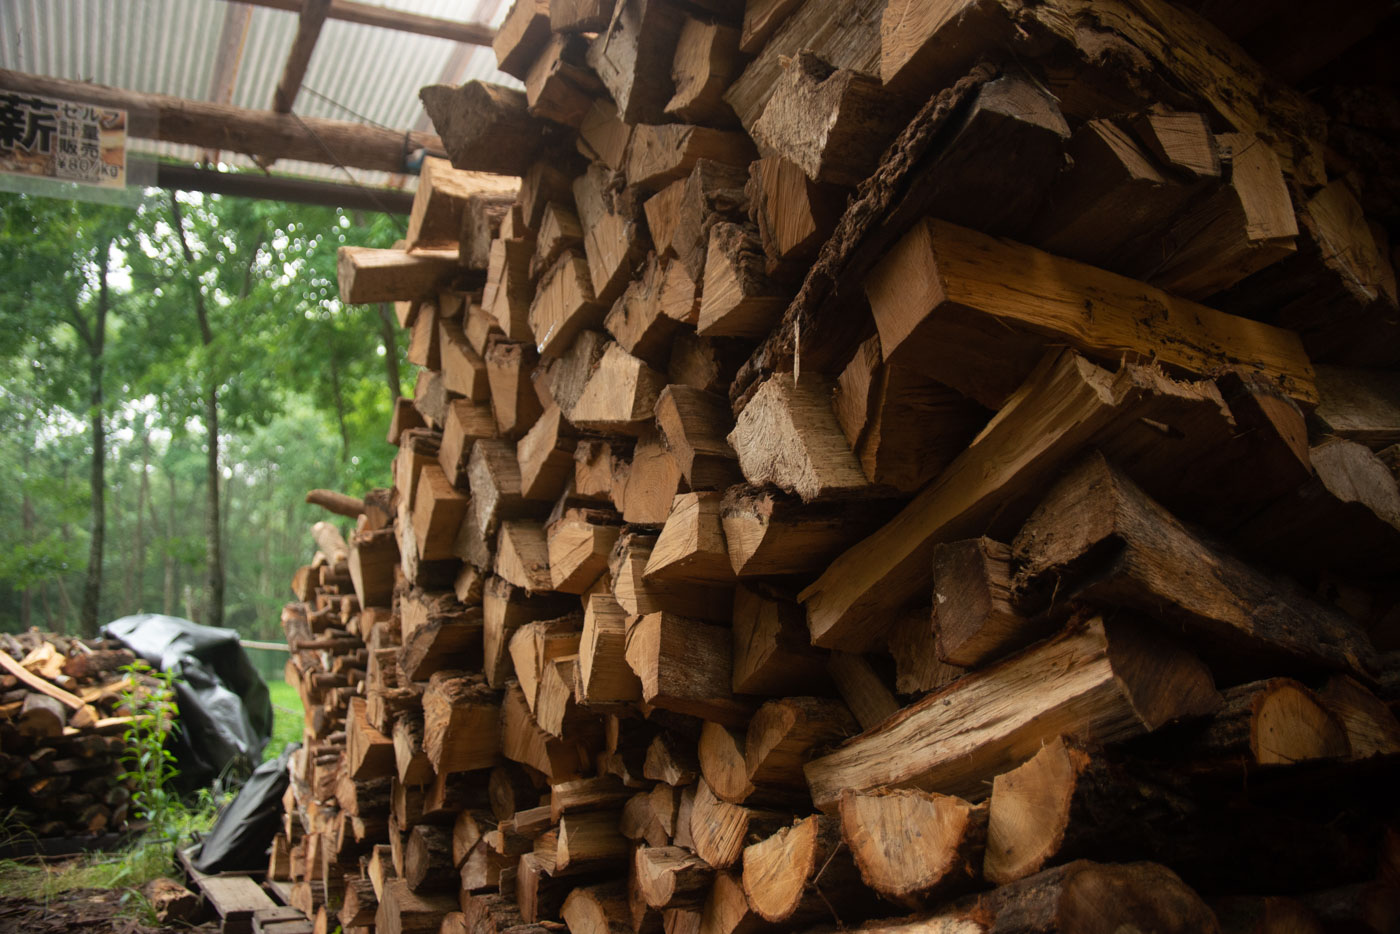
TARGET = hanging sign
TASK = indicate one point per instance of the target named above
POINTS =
(67, 141)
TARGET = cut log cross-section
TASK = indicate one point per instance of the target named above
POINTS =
(513, 398)
(1071, 800)
(506, 297)
(632, 55)
(694, 424)
(685, 666)
(522, 555)
(666, 153)
(737, 298)
(441, 201)
(461, 724)
(782, 735)
(910, 845)
(903, 427)
(619, 395)
(370, 275)
(795, 874)
(770, 533)
(788, 436)
(463, 369)
(559, 86)
(1277, 722)
(369, 753)
(578, 551)
(614, 239)
(604, 671)
(467, 422)
(794, 215)
(720, 829)
(974, 618)
(691, 546)
(485, 127)
(707, 55)
(521, 36)
(772, 653)
(721, 752)
(546, 456)
(671, 877)
(438, 512)
(832, 123)
(564, 305)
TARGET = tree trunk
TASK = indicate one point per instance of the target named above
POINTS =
(227, 513)
(391, 350)
(214, 612)
(136, 575)
(269, 528)
(214, 553)
(49, 622)
(168, 603)
(92, 585)
(191, 607)
(26, 511)
(340, 409)
(65, 605)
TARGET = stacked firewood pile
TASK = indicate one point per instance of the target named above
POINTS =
(63, 710)
(872, 457)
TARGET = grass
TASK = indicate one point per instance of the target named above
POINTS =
(37, 881)
(130, 868)
(287, 717)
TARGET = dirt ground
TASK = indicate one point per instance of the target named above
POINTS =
(80, 911)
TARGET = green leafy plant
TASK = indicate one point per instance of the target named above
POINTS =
(150, 767)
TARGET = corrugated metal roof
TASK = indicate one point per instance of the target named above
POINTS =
(358, 73)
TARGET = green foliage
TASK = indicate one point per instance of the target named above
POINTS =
(301, 378)
(150, 767)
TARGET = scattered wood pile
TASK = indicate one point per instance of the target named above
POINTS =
(62, 716)
(870, 457)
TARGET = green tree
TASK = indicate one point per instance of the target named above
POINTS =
(60, 302)
(231, 380)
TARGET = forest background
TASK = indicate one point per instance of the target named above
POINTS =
(173, 378)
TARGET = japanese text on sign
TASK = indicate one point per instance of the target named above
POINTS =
(62, 140)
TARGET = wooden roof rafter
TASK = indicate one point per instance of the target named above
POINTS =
(233, 36)
(368, 14)
(311, 18)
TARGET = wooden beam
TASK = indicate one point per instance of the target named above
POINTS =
(368, 14)
(281, 188)
(257, 133)
(312, 18)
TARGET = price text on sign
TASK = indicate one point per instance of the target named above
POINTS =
(63, 140)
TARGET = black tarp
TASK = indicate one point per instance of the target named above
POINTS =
(225, 716)
(244, 829)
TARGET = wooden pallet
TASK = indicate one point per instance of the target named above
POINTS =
(240, 902)
(281, 920)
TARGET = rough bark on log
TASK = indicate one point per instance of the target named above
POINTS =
(953, 741)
